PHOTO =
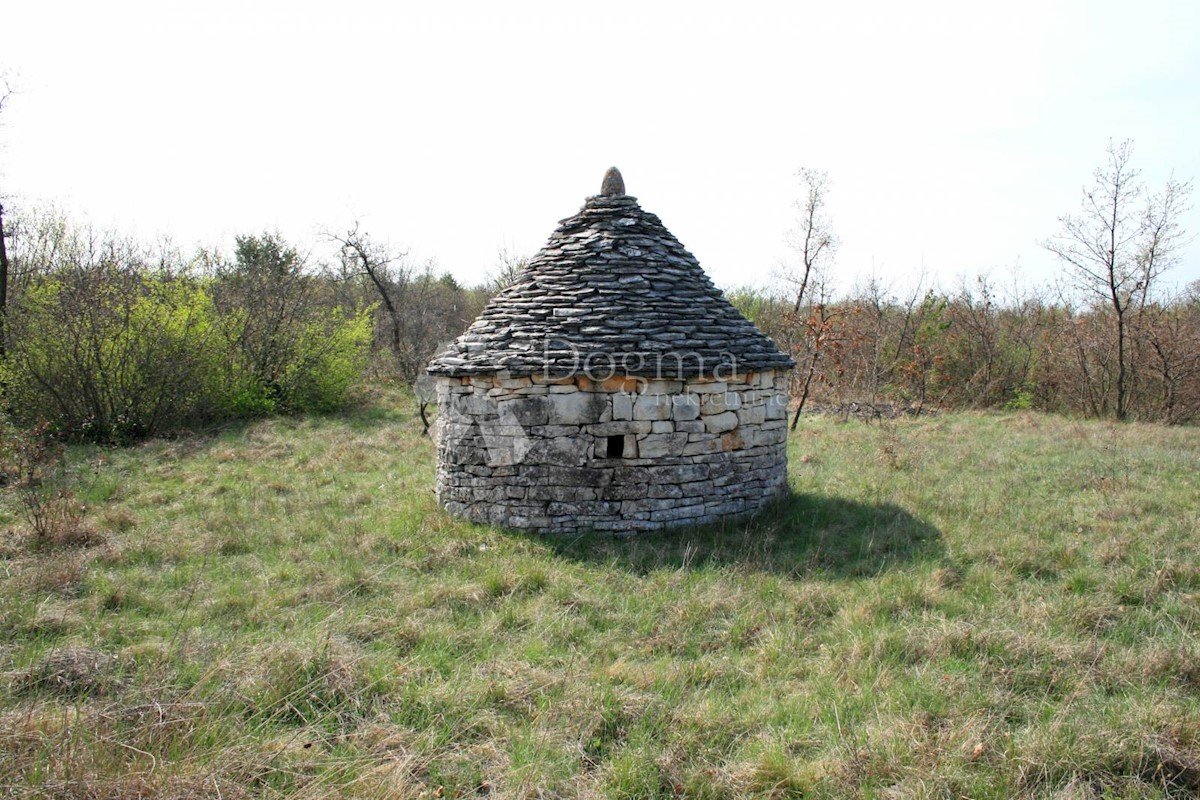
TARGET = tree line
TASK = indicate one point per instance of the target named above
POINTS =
(110, 339)
(978, 347)
(1110, 338)
(107, 338)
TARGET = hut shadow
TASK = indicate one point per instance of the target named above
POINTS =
(798, 536)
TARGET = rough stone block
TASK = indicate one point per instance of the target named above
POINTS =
(658, 445)
(731, 507)
(626, 525)
(775, 436)
(568, 476)
(699, 488)
(627, 491)
(685, 407)
(752, 415)
(663, 387)
(497, 430)
(616, 428)
(450, 431)
(473, 405)
(579, 408)
(777, 406)
(629, 448)
(652, 407)
(506, 450)
(644, 506)
(621, 383)
(699, 448)
(523, 411)
(732, 441)
(719, 423)
(567, 452)
(716, 403)
(622, 406)
(749, 435)
(563, 494)
(662, 426)
(682, 512)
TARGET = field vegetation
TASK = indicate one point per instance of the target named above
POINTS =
(974, 604)
(112, 340)
(223, 571)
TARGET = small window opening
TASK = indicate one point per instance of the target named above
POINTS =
(615, 447)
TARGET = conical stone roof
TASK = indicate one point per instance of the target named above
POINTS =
(612, 292)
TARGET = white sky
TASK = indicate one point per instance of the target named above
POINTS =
(954, 133)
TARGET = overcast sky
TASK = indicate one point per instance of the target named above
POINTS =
(954, 134)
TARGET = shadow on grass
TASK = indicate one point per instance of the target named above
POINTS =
(797, 536)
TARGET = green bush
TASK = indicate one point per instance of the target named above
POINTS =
(330, 356)
(109, 355)
(327, 355)
(105, 349)
(1022, 400)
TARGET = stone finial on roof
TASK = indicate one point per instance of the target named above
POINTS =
(614, 184)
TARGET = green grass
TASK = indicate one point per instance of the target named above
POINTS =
(966, 605)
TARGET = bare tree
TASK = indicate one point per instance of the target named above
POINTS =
(820, 332)
(3, 278)
(384, 268)
(1171, 329)
(814, 243)
(813, 239)
(6, 93)
(509, 266)
(1118, 245)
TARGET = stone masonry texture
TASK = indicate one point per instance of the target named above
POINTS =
(518, 453)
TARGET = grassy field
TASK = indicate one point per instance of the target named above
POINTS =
(982, 606)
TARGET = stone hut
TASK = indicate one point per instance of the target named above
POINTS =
(610, 387)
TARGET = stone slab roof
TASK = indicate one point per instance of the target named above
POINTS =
(612, 291)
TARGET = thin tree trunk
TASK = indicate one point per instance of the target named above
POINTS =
(812, 368)
(1121, 399)
(3, 285)
(385, 296)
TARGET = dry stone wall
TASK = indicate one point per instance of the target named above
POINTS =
(623, 454)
